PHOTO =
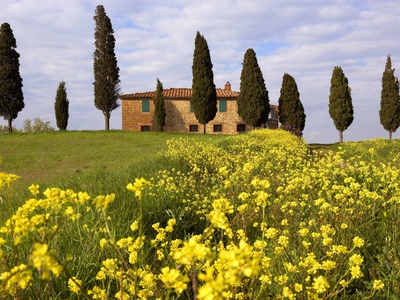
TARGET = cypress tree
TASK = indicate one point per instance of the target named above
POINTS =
(61, 107)
(291, 110)
(204, 95)
(340, 103)
(106, 71)
(159, 107)
(253, 100)
(390, 103)
(11, 96)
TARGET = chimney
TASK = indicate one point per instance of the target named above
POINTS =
(227, 86)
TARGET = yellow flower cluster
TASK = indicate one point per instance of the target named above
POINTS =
(271, 219)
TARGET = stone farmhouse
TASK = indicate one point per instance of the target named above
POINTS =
(138, 112)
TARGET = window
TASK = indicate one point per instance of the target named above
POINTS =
(222, 105)
(217, 128)
(145, 128)
(145, 106)
(272, 113)
(241, 127)
(193, 128)
(191, 108)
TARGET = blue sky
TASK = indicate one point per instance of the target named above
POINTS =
(155, 39)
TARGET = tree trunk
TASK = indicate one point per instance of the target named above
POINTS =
(204, 128)
(341, 136)
(390, 134)
(107, 120)
(10, 125)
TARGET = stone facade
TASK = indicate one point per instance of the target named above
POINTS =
(138, 112)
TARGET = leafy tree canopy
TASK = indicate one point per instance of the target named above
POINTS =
(159, 107)
(204, 95)
(61, 107)
(340, 102)
(253, 100)
(11, 96)
(390, 103)
(106, 71)
(291, 110)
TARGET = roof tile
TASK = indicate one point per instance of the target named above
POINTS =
(178, 93)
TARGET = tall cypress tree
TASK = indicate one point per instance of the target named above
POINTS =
(11, 96)
(390, 103)
(159, 107)
(61, 106)
(204, 95)
(253, 100)
(106, 71)
(291, 110)
(340, 102)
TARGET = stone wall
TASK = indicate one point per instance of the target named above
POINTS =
(180, 119)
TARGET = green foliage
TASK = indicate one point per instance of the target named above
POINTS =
(159, 107)
(291, 110)
(11, 96)
(61, 107)
(390, 100)
(340, 103)
(37, 126)
(253, 100)
(106, 71)
(204, 95)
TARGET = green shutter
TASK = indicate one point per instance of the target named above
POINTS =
(222, 105)
(145, 106)
(191, 108)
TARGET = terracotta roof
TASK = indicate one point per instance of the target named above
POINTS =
(178, 93)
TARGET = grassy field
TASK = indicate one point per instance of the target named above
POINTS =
(54, 158)
(253, 216)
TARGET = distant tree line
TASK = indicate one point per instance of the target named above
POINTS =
(253, 101)
(105, 69)
(30, 126)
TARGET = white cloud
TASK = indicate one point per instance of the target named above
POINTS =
(155, 39)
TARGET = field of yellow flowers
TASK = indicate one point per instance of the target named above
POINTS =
(259, 216)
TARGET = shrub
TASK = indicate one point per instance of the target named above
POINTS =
(38, 126)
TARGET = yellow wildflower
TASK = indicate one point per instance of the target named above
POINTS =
(355, 260)
(103, 243)
(298, 287)
(43, 260)
(173, 279)
(34, 189)
(137, 187)
(74, 285)
(134, 225)
(98, 293)
(102, 201)
(356, 272)
(378, 285)
(320, 285)
(283, 240)
(271, 233)
(358, 242)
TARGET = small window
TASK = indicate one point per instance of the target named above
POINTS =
(272, 113)
(217, 128)
(145, 106)
(193, 128)
(191, 108)
(222, 105)
(145, 128)
(241, 127)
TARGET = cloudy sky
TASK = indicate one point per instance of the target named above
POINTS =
(155, 39)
